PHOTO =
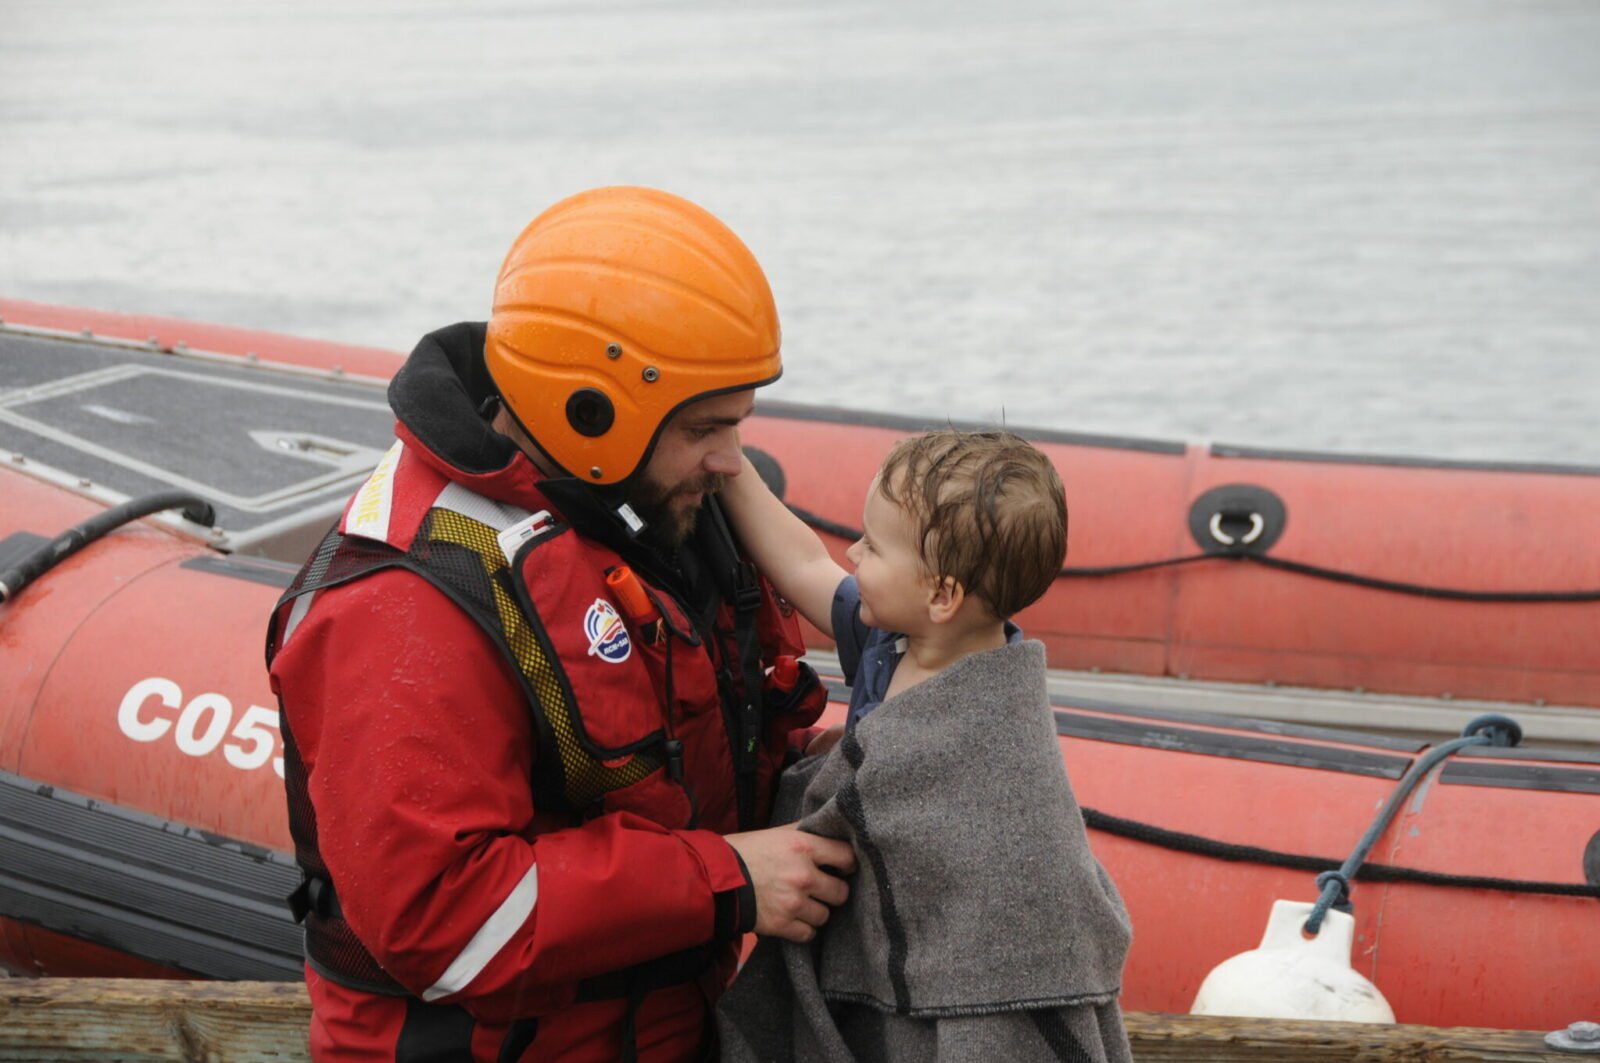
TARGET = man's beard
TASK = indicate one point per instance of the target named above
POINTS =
(668, 521)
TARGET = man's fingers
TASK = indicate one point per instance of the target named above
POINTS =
(830, 890)
(812, 913)
(833, 854)
(801, 932)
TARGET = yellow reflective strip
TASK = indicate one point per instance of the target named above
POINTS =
(586, 778)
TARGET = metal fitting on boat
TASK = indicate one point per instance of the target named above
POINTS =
(1257, 525)
(1237, 519)
(1579, 1037)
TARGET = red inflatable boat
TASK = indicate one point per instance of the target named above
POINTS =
(1205, 705)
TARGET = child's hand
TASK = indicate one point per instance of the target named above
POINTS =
(825, 740)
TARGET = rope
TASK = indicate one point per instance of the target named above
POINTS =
(844, 531)
(1333, 880)
(1368, 872)
(1419, 589)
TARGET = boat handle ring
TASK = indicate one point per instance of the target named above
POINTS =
(1257, 526)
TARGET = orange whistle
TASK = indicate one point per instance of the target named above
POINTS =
(630, 594)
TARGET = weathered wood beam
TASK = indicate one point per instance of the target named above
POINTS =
(1207, 1039)
(138, 1020)
(55, 1020)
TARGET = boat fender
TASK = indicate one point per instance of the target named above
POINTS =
(1292, 976)
(1237, 519)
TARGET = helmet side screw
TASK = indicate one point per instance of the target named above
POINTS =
(651, 374)
(594, 471)
(613, 351)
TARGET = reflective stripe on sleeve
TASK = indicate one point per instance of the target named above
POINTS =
(297, 613)
(489, 940)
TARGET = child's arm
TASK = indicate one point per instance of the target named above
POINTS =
(786, 551)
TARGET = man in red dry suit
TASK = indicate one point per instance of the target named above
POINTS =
(531, 736)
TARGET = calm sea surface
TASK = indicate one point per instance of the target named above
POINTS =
(1354, 225)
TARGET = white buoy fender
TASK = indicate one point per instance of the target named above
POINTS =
(1290, 976)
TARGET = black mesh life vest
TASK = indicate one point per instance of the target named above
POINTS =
(462, 557)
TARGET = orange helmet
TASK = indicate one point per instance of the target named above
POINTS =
(614, 309)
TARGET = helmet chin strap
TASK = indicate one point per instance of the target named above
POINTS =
(504, 421)
(630, 520)
(611, 497)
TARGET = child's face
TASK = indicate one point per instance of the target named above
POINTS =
(894, 582)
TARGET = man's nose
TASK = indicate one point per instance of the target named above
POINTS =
(724, 459)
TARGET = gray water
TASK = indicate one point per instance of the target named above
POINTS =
(1353, 225)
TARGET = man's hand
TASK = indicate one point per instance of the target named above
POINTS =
(825, 740)
(793, 891)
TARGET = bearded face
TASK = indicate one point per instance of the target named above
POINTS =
(671, 510)
(697, 450)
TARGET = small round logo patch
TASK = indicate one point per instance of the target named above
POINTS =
(608, 636)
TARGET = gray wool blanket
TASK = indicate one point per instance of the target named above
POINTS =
(979, 926)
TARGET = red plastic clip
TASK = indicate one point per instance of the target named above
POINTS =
(785, 673)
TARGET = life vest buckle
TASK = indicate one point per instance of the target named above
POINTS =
(314, 894)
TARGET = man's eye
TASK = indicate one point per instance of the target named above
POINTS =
(698, 434)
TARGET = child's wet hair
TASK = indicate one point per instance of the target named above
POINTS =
(989, 509)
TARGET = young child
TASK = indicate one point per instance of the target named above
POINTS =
(980, 926)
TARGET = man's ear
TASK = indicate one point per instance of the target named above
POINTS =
(944, 601)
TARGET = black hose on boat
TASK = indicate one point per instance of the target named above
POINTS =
(75, 538)
(844, 531)
(1490, 729)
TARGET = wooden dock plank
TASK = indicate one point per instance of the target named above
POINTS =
(143, 1021)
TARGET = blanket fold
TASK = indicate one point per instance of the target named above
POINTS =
(979, 926)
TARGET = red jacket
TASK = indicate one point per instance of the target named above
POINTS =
(427, 764)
